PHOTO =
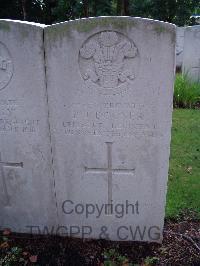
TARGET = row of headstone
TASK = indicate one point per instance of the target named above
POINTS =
(188, 51)
(85, 121)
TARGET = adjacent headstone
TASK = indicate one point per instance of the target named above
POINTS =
(110, 86)
(179, 47)
(26, 180)
(191, 57)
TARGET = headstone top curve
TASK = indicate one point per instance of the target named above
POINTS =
(114, 19)
(28, 23)
(195, 27)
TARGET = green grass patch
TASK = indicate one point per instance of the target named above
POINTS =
(186, 92)
(184, 174)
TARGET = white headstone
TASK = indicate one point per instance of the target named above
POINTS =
(110, 86)
(26, 181)
(191, 57)
(179, 46)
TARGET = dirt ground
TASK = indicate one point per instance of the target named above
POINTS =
(181, 246)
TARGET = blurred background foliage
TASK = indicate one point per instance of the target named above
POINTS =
(52, 11)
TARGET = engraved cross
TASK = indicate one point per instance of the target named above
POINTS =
(109, 171)
(2, 174)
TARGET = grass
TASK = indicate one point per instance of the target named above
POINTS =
(184, 174)
(186, 92)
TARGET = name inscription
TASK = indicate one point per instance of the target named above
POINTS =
(109, 119)
(9, 121)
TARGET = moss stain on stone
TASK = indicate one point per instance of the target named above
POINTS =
(159, 29)
(163, 29)
(88, 25)
(57, 32)
(5, 26)
(24, 33)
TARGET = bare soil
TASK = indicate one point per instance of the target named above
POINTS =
(181, 246)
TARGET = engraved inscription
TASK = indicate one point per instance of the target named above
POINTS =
(110, 119)
(108, 62)
(19, 125)
(6, 66)
(5, 188)
(9, 121)
(7, 107)
(109, 171)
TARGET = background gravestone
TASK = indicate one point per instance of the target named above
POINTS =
(179, 46)
(191, 57)
(26, 196)
(110, 86)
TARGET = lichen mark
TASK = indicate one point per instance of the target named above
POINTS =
(109, 171)
(5, 188)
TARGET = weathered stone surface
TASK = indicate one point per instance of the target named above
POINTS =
(26, 181)
(191, 57)
(110, 86)
(179, 46)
